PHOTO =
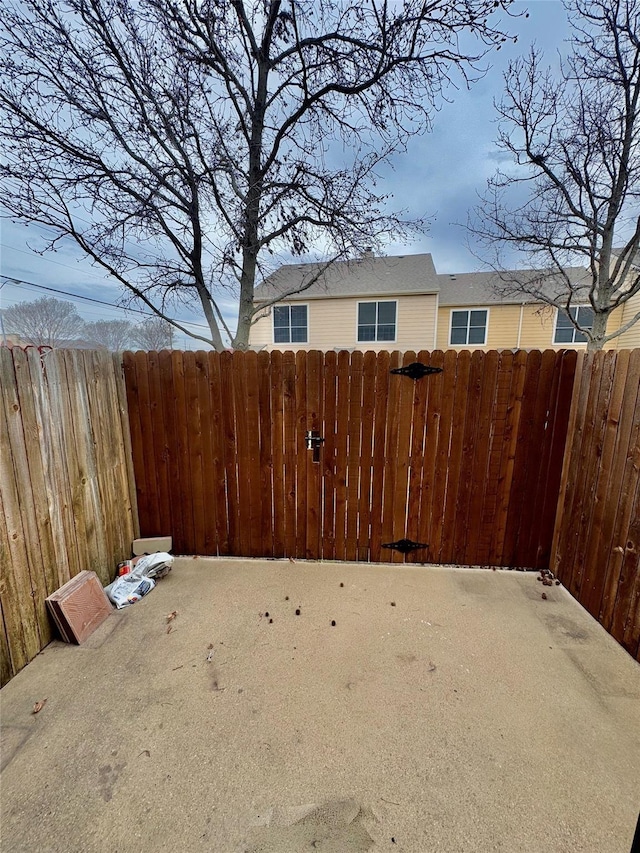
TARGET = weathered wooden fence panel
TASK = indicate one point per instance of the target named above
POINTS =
(596, 546)
(67, 497)
(467, 460)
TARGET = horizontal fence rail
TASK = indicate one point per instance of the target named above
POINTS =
(67, 499)
(466, 461)
(596, 548)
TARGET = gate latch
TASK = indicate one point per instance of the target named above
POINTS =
(314, 440)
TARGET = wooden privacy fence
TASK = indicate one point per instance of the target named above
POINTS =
(67, 500)
(596, 550)
(467, 460)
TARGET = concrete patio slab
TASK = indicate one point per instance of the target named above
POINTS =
(446, 710)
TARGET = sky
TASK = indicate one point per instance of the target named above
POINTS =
(439, 176)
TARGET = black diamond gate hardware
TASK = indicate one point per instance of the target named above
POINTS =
(416, 370)
(405, 545)
(314, 440)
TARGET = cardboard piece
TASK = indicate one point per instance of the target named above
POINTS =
(79, 607)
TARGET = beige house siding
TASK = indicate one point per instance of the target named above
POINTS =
(333, 324)
(630, 339)
(502, 326)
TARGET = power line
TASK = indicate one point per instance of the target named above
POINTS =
(19, 281)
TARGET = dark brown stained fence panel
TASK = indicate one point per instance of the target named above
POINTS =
(134, 406)
(582, 522)
(211, 501)
(417, 458)
(184, 489)
(626, 626)
(525, 458)
(166, 390)
(402, 454)
(482, 442)
(391, 461)
(496, 450)
(246, 499)
(354, 435)
(428, 421)
(541, 432)
(551, 467)
(276, 392)
(290, 451)
(609, 477)
(250, 395)
(366, 455)
(160, 454)
(469, 450)
(341, 458)
(383, 364)
(585, 473)
(193, 439)
(508, 456)
(442, 436)
(328, 455)
(302, 459)
(230, 452)
(266, 456)
(458, 459)
(452, 466)
(315, 421)
(151, 489)
(217, 434)
(598, 559)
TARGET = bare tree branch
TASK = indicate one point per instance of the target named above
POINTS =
(574, 196)
(186, 144)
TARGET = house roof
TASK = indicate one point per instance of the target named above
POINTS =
(361, 277)
(482, 288)
(406, 274)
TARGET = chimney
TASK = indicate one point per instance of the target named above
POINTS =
(368, 253)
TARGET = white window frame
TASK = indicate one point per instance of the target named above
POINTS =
(376, 302)
(273, 323)
(469, 310)
(572, 343)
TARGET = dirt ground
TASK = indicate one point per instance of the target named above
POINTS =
(446, 710)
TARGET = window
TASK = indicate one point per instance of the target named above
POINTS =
(376, 321)
(290, 324)
(468, 327)
(566, 332)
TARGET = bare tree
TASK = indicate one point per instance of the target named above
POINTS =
(44, 322)
(113, 334)
(574, 137)
(185, 144)
(153, 334)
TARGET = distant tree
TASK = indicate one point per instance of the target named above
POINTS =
(44, 322)
(113, 334)
(574, 139)
(184, 143)
(153, 334)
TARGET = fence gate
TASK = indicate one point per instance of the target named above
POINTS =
(339, 455)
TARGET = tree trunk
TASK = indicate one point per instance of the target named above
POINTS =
(598, 332)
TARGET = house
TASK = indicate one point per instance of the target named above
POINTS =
(401, 302)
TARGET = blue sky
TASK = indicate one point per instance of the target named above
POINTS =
(439, 176)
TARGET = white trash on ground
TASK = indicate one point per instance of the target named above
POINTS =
(129, 588)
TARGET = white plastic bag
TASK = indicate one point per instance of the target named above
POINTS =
(128, 589)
